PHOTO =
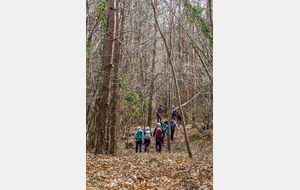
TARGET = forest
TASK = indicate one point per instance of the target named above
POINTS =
(143, 55)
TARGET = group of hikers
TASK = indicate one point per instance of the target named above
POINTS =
(160, 132)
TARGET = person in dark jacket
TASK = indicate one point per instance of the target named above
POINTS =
(179, 119)
(174, 112)
(159, 113)
(173, 127)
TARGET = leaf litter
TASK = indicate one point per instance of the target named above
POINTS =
(163, 170)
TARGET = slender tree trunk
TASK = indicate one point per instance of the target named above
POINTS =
(194, 81)
(176, 84)
(210, 16)
(152, 71)
(168, 105)
(122, 27)
(100, 149)
(169, 124)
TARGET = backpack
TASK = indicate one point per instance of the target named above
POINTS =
(159, 132)
(166, 130)
(160, 110)
(173, 124)
(147, 135)
(139, 135)
(178, 116)
(174, 112)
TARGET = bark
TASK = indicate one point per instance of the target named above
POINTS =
(101, 142)
(152, 71)
(210, 16)
(168, 104)
(122, 26)
(115, 98)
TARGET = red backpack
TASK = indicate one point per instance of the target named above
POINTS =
(159, 132)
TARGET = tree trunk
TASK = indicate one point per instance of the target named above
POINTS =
(152, 71)
(100, 149)
(210, 16)
(168, 104)
(115, 98)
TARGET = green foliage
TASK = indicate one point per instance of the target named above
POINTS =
(195, 12)
(102, 11)
(89, 47)
(178, 147)
(195, 136)
(136, 111)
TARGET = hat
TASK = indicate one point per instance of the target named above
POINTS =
(139, 128)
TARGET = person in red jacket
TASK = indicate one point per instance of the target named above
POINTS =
(158, 133)
(159, 113)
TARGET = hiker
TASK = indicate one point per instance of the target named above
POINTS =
(158, 133)
(159, 113)
(173, 127)
(174, 112)
(179, 119)
(139, 137)
(163, 134)
(147, 137)
(166, 128)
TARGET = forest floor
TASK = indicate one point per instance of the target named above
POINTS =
(153, 170)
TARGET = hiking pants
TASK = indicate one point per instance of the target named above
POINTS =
(158, 144)
(147, 144)
(172, 133)
(159, 119)
(138, 144)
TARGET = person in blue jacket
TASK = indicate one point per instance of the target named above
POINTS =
(166, 128)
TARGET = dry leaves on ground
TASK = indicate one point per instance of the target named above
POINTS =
(148, 171)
